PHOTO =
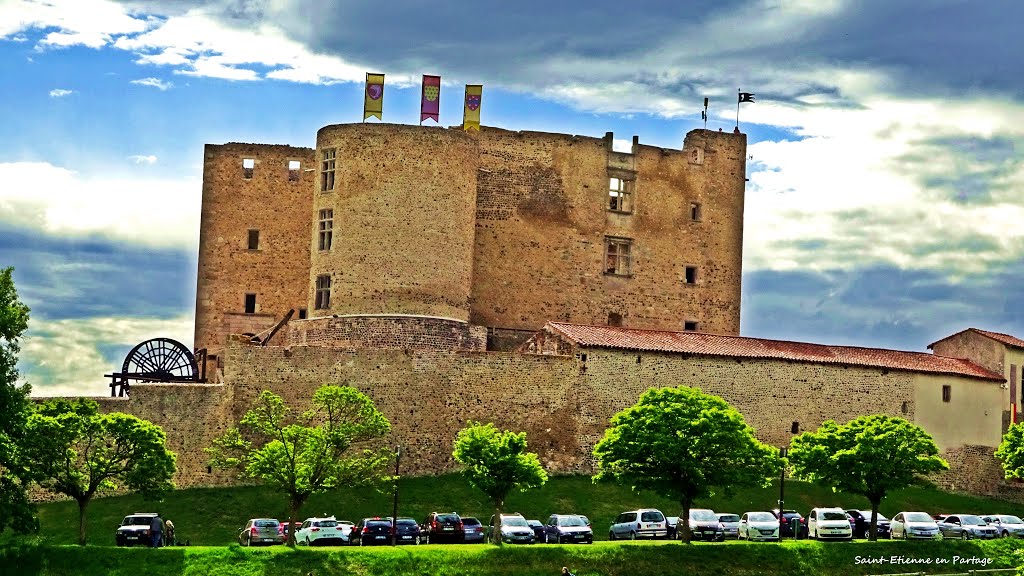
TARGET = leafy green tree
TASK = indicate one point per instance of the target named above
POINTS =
(79, 452)
(1011, 452)
(496, 463)
(869, 456)
(324, 448)
(683, 444)
(15, 509)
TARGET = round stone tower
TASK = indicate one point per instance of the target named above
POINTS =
(393, 231)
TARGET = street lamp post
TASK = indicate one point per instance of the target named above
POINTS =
(782, 495)
(394, 516)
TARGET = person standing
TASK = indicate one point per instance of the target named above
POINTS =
(156, 527)
(168, 532)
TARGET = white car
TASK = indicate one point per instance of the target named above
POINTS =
(321, 531)
(642, 523)
(829, 524)
(914, 525)
(758, 526)
(1008, 526)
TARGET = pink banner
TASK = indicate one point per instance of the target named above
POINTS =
(430, 101)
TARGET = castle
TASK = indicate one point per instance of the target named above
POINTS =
(539, 281)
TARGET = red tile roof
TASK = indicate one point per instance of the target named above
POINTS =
(741, 347)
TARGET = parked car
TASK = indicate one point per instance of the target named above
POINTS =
(672, 523)
(514, 529)
(730, 524)
(567, 528)
(643, 523)
(286, 527)
(346, 528)
(758, 526)
(372, 531)
(1008, 526)
(538, 530)
(862, 523)
(704, 525)
(261, 531)
(474, 530)
(321, 531)
(829, 524)
(407, 531)
(914, 525)
(585, 520)
(966, 527)
(134, 529)
(441, 527)
(786, 530)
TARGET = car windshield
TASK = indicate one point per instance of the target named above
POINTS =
(917, 517)
(833, 516)
(1009, 520)
(137, 521)
(470, 522)
(761, 517)
(571, 521)
(703, 515)
(266, 523)
(728, 518)
(972, 520)
(514, 522)
(653, 516)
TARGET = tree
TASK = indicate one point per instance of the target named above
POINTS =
(1011, 452)
(319, 450)
(79, 452)
(15, 509)
(496, 463)
(869, 456)
(683, 444)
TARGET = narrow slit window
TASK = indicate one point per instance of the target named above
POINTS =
(248, 167)
(254, 239)
(695, 212)
(294, 167)
(947, 393)
(323, 292)
(326, 235)
(250, 303)
(327, 158)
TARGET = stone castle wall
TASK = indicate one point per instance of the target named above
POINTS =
(388, 332)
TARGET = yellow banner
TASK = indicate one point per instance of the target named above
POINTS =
(471, 112)
(373, 97)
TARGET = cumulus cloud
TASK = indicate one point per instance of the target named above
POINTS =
(57, 200)
(153, 82)
(139, 159)
(60, 93)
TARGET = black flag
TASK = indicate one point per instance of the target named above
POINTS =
(746, 97)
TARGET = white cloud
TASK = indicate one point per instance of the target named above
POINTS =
(153, 82)
(60, 93)
(91, 23)
(63, 358)
(139, 159)
(58, 200)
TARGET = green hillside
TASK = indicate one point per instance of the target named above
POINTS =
(212, 516)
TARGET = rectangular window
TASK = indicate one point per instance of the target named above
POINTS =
(947, 392)
(616, 256)
(614, 319)
(248, 166)
(250, 303)
(620, 195)
(695, 212)
(254, 239)
(294, 166)
(691, 274)
(323, 292)
(326, 229)
(302, 313)
(327, 170)
(690, 326)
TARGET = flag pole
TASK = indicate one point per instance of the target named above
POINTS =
(737, 108)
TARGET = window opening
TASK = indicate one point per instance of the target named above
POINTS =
(302, 313)
(248, 166)
(254, 239)
(695, 211)
(620, 195)
(947, 392)
(691, 274)
(614, 319)
(795, 428)
(250, 303)
(294, 166)
(327, 169)
(323, 292)
(690, 326)
(617, 258)
(326, 229)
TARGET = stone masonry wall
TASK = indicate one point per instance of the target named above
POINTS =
(277, 271)
(542, 217)
(981, 350)
(388, 332)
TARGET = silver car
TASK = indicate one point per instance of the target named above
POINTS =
(914, 525)
(758, 526)
(1007, 526)
(261, 531)
(966, 527)
(643, 523)
(730, 525)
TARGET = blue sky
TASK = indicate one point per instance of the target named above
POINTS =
(885, 205)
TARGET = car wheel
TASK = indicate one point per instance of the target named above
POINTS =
(611, 535)
(1005, 534)
(632, 535)
(964, 535)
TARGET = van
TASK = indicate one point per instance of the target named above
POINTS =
(642, 523)
(829, 524)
